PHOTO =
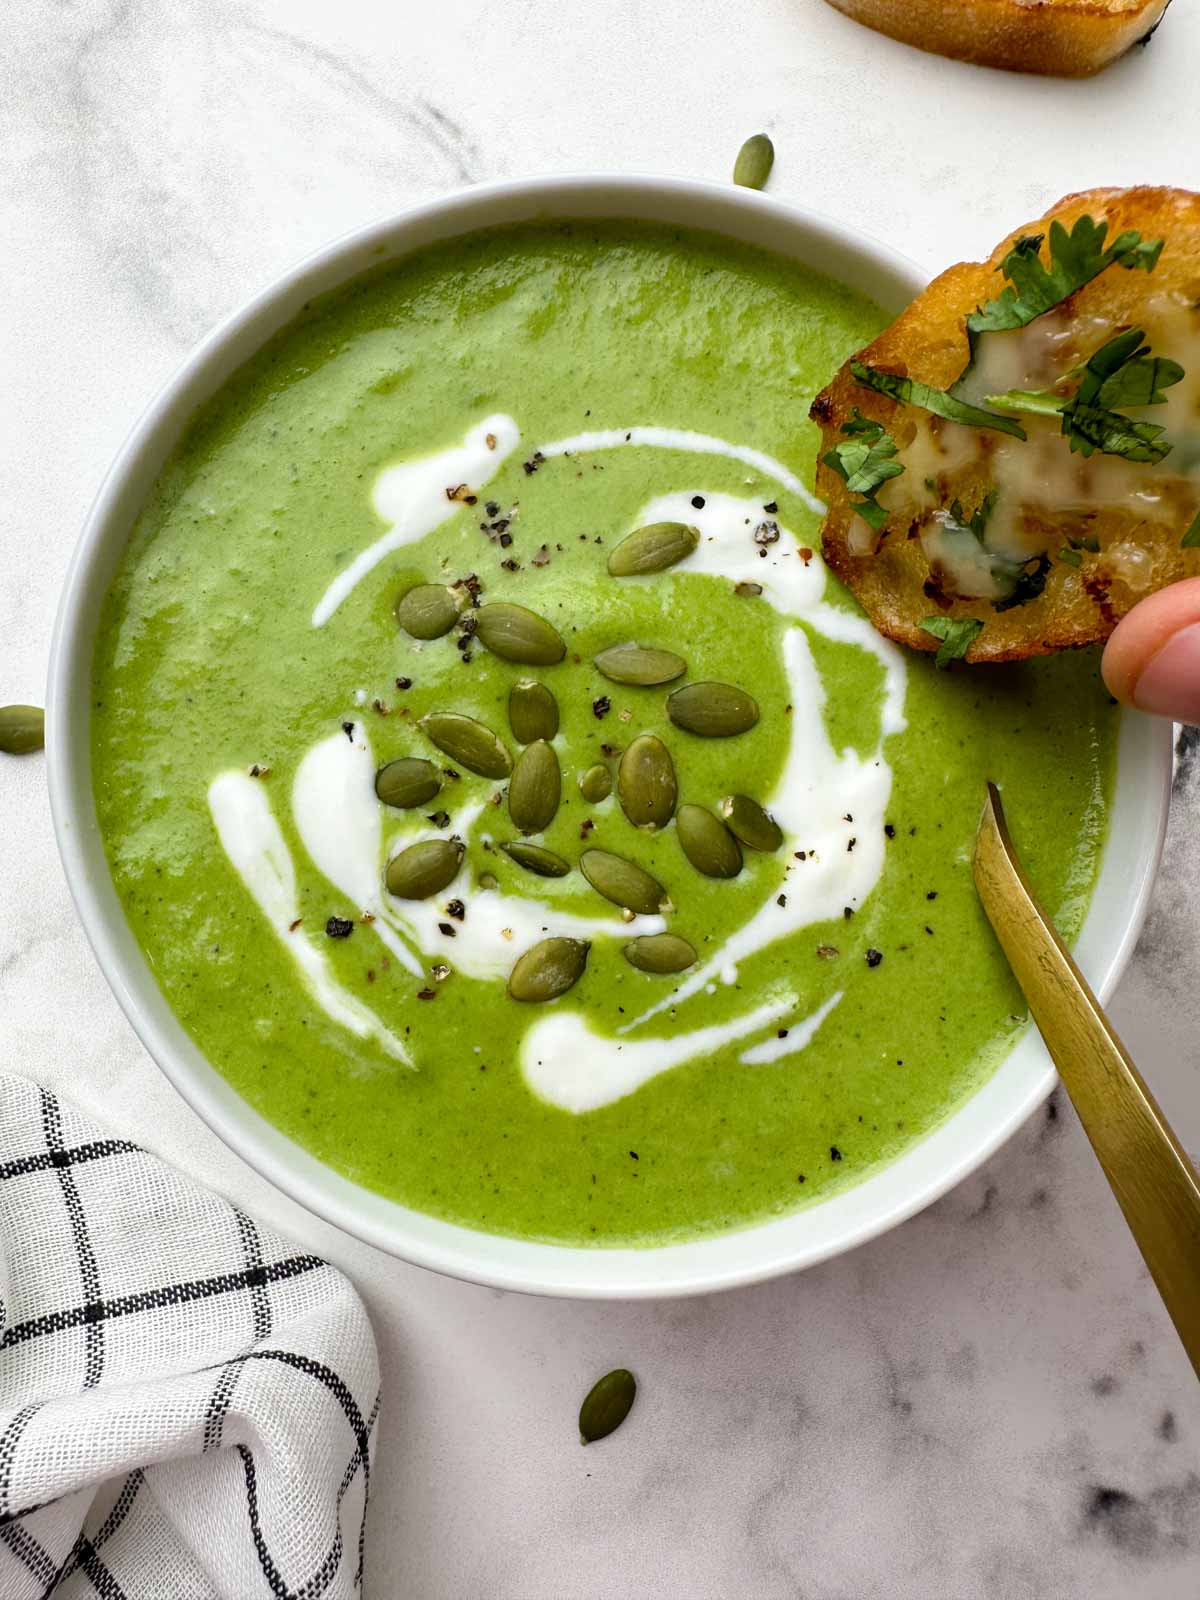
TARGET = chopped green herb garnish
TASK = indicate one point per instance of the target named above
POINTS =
(1121, 372)
(956, 633)
(1089, 541)
(865, 460)
(977, 522)
(911, 391)
(1191, 539)
(1071, 557)
(1075, 259)
(1030, 583)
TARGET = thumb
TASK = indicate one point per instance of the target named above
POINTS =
(1152, 660)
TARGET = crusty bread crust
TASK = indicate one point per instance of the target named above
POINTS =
(929, 341)
(1066, 38)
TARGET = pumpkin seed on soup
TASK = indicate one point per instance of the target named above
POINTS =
(654, 548)
(22, 729)
(536, 858)
(548, 970)
(754, 162)
(660, 953)
(516, 634)
(708, 843)
(712, 710)
(430, 610)
(646, 784)
(623, 882)
(469, 743)
(749, 823)
(607, 1404)
(634, 664)
(407, 782)
(535, 788)
(532, 711)
(595, 784)
(424, 869)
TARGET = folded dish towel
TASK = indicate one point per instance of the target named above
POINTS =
(187, 1403)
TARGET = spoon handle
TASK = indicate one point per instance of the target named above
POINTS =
(1155, 1184)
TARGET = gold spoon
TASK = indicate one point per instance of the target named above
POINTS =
(1155, 1184)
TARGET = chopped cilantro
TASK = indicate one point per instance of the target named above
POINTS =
(1075, 259)
(956, 633)
(1030, 583)
(977, 522)
(911, 391)
(865, 461)
(1120, 372)
(1088, 541)
(1191, 539)
(1071, 557)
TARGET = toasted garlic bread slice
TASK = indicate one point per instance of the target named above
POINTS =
(1066, 38)
(1061, 481)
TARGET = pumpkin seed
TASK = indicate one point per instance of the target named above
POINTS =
(548, 970)
(754, 162)
(623, 882)
(22, 729)
(407, 782)
(532, 711)
(595, 784)
(631, 663)
(535, 788)
(708, 843)
(646, 784)
(516, 634)
(430, 609)
(660, 952)
(747, 821)
(654, 548)
(536, 858)
(488, 880)
(607, 1405)
(424, 869)
(712, 710)
(468, 742)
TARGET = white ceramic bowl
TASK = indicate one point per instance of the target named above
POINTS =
(743, 1256)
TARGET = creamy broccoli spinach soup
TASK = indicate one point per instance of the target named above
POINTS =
(505, 797)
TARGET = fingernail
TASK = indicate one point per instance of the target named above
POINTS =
(1170, 685)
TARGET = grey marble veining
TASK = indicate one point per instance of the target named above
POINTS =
(988, 1403)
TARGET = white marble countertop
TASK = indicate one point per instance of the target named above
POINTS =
(988, 1403)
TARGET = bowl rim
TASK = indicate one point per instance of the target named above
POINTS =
(751, 1253)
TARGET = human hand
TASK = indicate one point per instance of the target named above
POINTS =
(1152, 660)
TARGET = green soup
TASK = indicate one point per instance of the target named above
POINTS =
(505, 409)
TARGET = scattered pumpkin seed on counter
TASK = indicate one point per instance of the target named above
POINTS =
(754, 162)
(646, 784)
(708, 843)
(654, 548)
(596, 784)
(607, 1403)
(659, 953)
(712, 710)
(424, 869)
(536, 858)
(515, 633)
(548, 969)
(470, 743)
(635, 664)
(430, 610)
(749, 823)
(22, 730)
(624, 883)
(532, 711)
(535, 788)
(407, 782)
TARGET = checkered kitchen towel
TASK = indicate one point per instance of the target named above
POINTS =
(187, 1404)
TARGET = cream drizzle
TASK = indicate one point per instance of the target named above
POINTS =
(251, 838)
(412, 498)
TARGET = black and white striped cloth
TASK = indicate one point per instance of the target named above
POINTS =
(187, 1403)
